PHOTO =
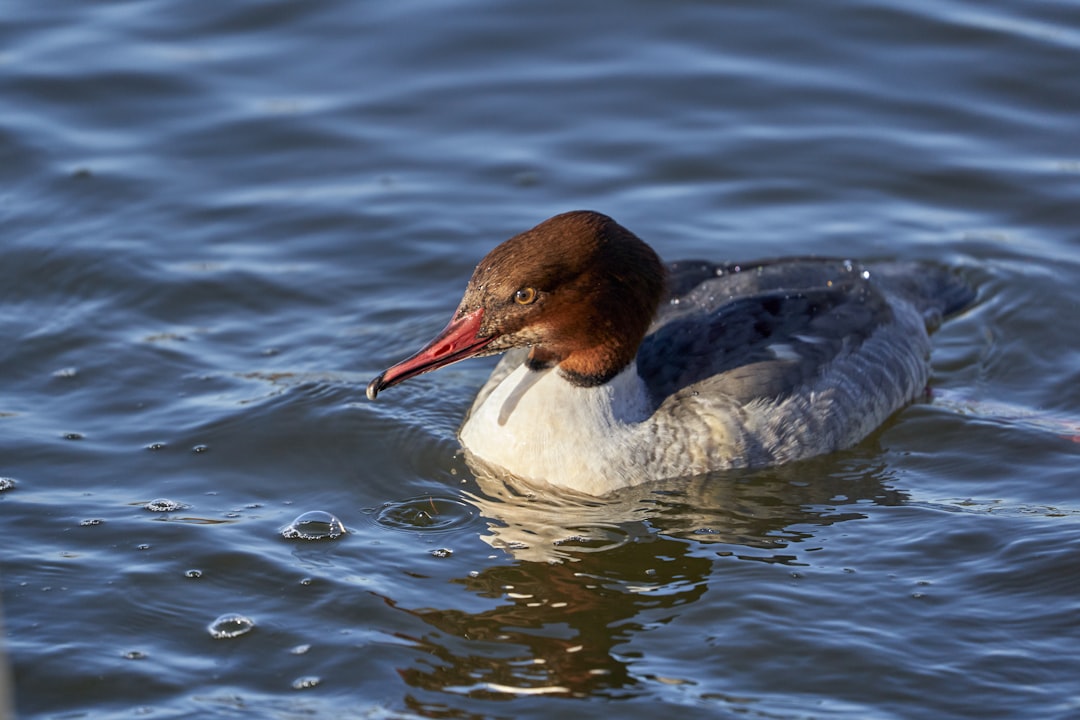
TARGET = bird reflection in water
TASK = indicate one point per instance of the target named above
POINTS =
(589, 574)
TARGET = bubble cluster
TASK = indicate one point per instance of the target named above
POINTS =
(164, 505)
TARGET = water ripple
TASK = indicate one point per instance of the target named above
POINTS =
(428, 513)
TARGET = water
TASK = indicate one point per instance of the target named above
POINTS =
(221, 220)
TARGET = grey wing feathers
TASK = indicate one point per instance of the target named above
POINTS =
(762, 330)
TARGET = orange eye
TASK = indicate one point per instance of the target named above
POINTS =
(525, 296)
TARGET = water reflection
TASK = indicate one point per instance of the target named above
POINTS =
(588, 575)
(768, 508)
(558, 625)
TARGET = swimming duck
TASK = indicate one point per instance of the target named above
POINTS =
(620, 370)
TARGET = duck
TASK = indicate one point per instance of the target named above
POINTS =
(620, 370)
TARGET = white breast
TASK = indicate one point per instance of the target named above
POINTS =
(541, 428)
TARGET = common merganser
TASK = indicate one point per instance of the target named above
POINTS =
(624, 371)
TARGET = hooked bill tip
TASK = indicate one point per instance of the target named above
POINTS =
(374, 387)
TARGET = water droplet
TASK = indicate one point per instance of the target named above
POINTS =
(429, 513)
(314, 525)
(193, 573)
(156, 446)
(135, 655)
(442, 552)
(164, 505)
(143, 546)
(199, 449)
(91, 522)
(230, 625)
(7, 483)
(308, 681)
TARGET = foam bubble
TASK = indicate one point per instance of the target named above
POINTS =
(230, 625)
(314, 525)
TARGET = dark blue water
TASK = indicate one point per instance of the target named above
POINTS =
(219, 220)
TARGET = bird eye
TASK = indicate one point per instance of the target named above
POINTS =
(525, 296)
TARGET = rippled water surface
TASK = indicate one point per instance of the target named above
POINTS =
(220, 220)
